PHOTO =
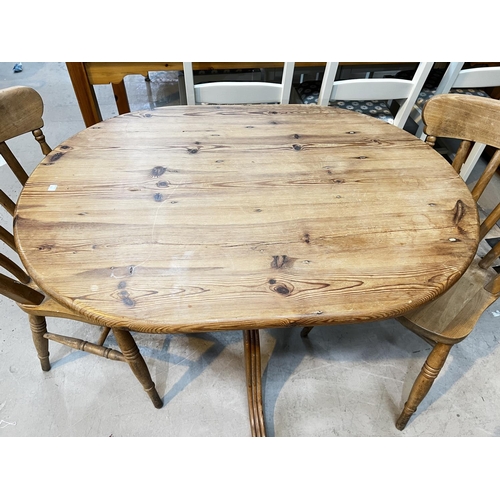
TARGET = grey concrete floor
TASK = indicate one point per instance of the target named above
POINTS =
(341, 381)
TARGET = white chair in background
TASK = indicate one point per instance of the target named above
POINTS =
(459, 81)
(369, 95)
(238, 92)
(216, 75)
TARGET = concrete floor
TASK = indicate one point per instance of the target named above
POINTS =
(342, 381)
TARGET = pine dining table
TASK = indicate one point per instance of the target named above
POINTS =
(191, 219)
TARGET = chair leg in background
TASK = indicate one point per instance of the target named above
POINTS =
(305, 331)
(424, 381)
(136, 362)
(104, 335)
(38, 330)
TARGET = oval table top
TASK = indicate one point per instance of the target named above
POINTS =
(208, 218)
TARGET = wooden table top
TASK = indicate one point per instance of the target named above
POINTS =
(208, 218)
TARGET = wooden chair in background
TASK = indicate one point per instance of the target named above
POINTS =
(457, 80)
(452, 316)
(21, 110)
(238, 92)
(390, 99)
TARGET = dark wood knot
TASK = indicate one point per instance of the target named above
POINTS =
(281, 288)
(158, 171)
(126, 299)
(56, 157)
(44, 248)
(279, 261)
(458, 212)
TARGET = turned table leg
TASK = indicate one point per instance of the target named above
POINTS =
(137, 364)
(254, 382)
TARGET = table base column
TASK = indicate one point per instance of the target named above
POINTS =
(254, 382)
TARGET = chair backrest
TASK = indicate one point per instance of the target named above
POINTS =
(21, 110)
(404, 91)
(227, 92)
(470, 119)
(456, 77)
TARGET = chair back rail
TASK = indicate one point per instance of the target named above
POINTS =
(478, 77)
(227, 92)
(390, 89)
(463, 117)
(377, 88)
(457, 78)
(21, 109)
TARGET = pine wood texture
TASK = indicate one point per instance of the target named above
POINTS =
(203, 218)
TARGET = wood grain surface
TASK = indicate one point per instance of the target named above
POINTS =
(204, 218)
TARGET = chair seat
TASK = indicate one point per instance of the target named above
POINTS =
(427, 93)
(451, 317)
(308, 92)
(49, 307)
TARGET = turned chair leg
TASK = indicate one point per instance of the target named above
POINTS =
(104, 335)
(38, 330)
(137, 364)
(424, 381)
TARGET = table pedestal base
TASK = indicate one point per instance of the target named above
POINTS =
(254, 382)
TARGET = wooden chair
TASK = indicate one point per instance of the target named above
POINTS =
(457, 80)
(21, 110)
(389, 99)
(452, 316)
(237, 92)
